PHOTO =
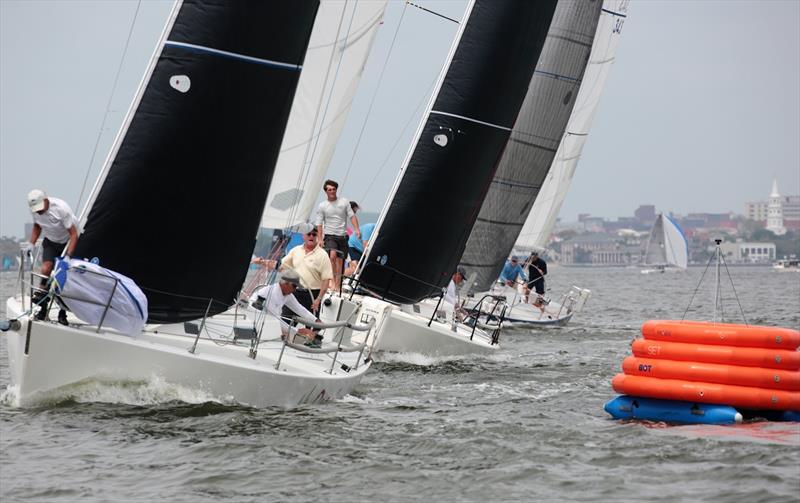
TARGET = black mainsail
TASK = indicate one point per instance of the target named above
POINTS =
(180, 202)
(422, 233)
(534, 141)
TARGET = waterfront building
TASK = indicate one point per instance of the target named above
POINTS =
(743, 252)
(599, 249)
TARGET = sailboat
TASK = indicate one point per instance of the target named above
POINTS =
(421, 234)
(528, 158)
(177, 208)
(538, 227)
(666, 248)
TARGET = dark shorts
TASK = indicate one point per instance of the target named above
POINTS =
(305, 298)
(338, 243)
(51, 250)
(354, 254)
(538, 285)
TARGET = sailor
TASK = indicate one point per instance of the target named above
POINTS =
(537, 270)
(54, 220)
(314, 268)
(274, 297)
(451, 294)
(511, 271)
(332, 216)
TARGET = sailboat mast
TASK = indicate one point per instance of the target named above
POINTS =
(84, 214)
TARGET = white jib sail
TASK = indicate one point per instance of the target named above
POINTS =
(675, 244)
(542, 218)
(341, 40)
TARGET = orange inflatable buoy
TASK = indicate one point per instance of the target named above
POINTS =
(750, 357)
(703, 392)
(713, 373)
(725, 334)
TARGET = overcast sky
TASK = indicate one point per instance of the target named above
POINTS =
(700, 113)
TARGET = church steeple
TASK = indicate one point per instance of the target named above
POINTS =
(775, 211)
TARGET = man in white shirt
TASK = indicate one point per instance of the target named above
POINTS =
(274, 297)
(53, 219)
(332, 215)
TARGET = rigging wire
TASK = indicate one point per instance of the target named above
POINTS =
(310, 150)
(397, 141)
(108, 105)
(374, 95)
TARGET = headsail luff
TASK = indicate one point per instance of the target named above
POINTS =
(341, 40)
(182, 198)
(422, 232)
(534, 140)
(548, 203)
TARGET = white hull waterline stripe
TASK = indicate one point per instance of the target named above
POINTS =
(471, 120)
(251, 59)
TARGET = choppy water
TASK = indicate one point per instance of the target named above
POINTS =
(524, 425)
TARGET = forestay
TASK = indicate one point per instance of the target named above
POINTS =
(533, 143)
(341, 40)
(180, 200)
(423, 230)
(542, 218)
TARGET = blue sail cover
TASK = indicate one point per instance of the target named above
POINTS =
(180, 206)
(423, 232)
(98, 296)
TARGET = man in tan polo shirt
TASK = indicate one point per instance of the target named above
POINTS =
(313, 266)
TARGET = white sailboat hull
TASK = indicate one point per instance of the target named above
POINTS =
(520, 314)
(45, 356)
(410, 333)
(525, 315)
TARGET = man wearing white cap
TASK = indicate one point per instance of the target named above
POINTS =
(53, 219)
(274, 297)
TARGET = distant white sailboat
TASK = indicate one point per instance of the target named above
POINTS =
(667, 248)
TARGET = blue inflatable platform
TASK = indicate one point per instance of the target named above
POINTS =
(671, 411)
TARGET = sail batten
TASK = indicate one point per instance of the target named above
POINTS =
(180, 203)
(228, 54)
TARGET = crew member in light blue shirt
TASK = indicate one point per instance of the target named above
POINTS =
(511, 271)
(355, 246)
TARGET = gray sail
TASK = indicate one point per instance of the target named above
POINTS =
(534, 141)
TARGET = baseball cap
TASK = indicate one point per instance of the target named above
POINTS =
(290, 277)
(463, 272)
(36, 199)
(304, 228)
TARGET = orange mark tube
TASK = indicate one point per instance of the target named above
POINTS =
(691, 391)
(749, 357)
(725, 334)
(713, 373)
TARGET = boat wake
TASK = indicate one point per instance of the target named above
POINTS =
(153, 391)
